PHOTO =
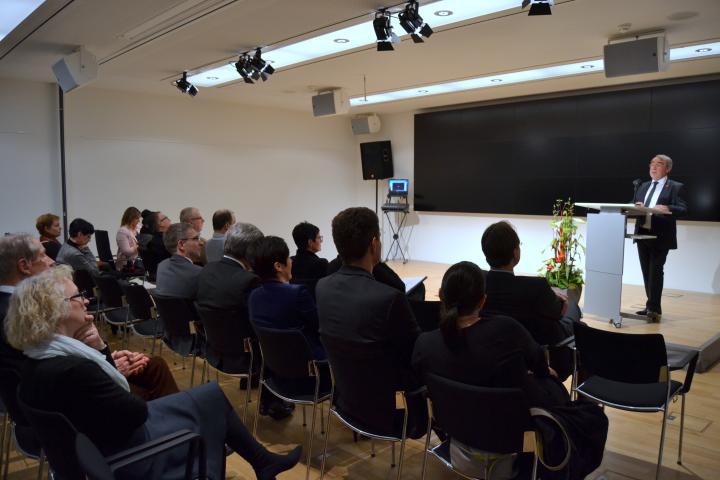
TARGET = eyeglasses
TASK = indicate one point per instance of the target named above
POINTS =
(192, 219)
(319, 238)
(197, 239)
(81, 297)
(164, 218)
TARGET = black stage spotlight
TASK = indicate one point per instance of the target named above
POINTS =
(244, 68)
(538, 7)
(412, 22)
(261, 67)
(186, 87)
(383, 32)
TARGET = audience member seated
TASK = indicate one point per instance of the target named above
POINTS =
(277, 303)
(227, 285)
(128, 248)
(150, 240)
(307, 267)
(193, 216)
(222, 220)
(477, 348)
(68, 373)
(353, 306)
(48, 226)
(76, 252)
(21, 257)
(545, 313)
(177, 276)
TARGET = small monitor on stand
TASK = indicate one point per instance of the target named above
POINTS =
(398, 187)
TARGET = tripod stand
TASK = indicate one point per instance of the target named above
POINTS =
(402, 209)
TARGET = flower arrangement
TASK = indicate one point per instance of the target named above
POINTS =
(560, 270)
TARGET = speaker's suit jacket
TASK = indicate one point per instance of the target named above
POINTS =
(177, 277)
(663, 226)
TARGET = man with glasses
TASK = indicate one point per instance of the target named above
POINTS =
(665, 195)
(307, 267)
(177, 276)
(76, 252)
(193, 216)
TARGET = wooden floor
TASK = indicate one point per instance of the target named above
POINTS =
(631, 451)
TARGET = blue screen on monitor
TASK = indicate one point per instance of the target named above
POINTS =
(398, 186)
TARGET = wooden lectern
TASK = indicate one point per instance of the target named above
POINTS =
(605, 254)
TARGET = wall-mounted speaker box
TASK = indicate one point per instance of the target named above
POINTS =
(645, 55)
(330, 103)
(365, 124)
(376, 160)
(75, 70)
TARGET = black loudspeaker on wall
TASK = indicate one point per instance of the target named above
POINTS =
(376, 160)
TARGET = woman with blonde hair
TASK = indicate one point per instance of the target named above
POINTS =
(126, 238)
(66, 373)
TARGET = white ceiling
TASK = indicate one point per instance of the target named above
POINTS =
(196, 33)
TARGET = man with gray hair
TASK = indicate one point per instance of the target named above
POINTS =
(226, 285)
(222, 221)
(666, 196)
(177, 276)
(193, 216)
(21, 256)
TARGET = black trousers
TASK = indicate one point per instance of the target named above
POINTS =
(652, 263)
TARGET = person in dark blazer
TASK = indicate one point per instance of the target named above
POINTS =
(67, 373)
(278, 303)
(177, 276)
(150, 241)
(353, 306)
(665, 195)
(307, 267)
(547, 314)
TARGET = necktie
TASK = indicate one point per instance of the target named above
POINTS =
(650, 195)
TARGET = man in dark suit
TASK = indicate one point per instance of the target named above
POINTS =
(355, 307)
(545, 313)
(665, 195)
(177, 276)
(307, 267)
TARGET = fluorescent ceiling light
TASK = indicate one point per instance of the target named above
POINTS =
(360, 35)
(496, 80)
(13, 12)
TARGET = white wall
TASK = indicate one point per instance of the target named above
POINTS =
(449, 238)
(29, 158)
(273, 168)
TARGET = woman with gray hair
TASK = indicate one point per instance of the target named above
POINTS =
(66, 373)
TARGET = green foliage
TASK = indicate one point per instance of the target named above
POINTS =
(560, 270)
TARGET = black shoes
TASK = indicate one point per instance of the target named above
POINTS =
(277, 410)
(642, 312)
(652, 316)
(279, 463)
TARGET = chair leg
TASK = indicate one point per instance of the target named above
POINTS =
(257, 410)
(682, 428)
(322, 418)
(304, 420)
(535, 466)
(392, 462)
(248, 388)
(402, 456)
(662, 441)
(41, 465)
(427, 443)
(327, 435)
(310, 441)
(6, 454)
(372, 448)
(192, 373)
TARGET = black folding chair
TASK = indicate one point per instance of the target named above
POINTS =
(363, 391)
(631, 372)
(296, 375)
(492, 420)
(112, 303)
(25, 440)
(183, 333)
(72, 455)
(229, 345)
(146, 323)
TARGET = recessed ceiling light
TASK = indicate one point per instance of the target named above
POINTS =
(444, 13)
(341, 40)
(509, 78)
(213, 78)
(422, 91)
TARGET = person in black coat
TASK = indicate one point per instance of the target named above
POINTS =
(667, 196)
(547, 314)
(307, 267)
(67, 373)
(150, 241)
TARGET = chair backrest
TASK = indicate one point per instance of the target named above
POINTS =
(427, 314)
(102, 242)
(490, 419)
(57, 437)
(309, 283)
(176, 314)
(225, 331)
(285, 352)
(111, 293)
(139, 301)
(9, 381)
(366, 379)
(622, 357)
(85, 282)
